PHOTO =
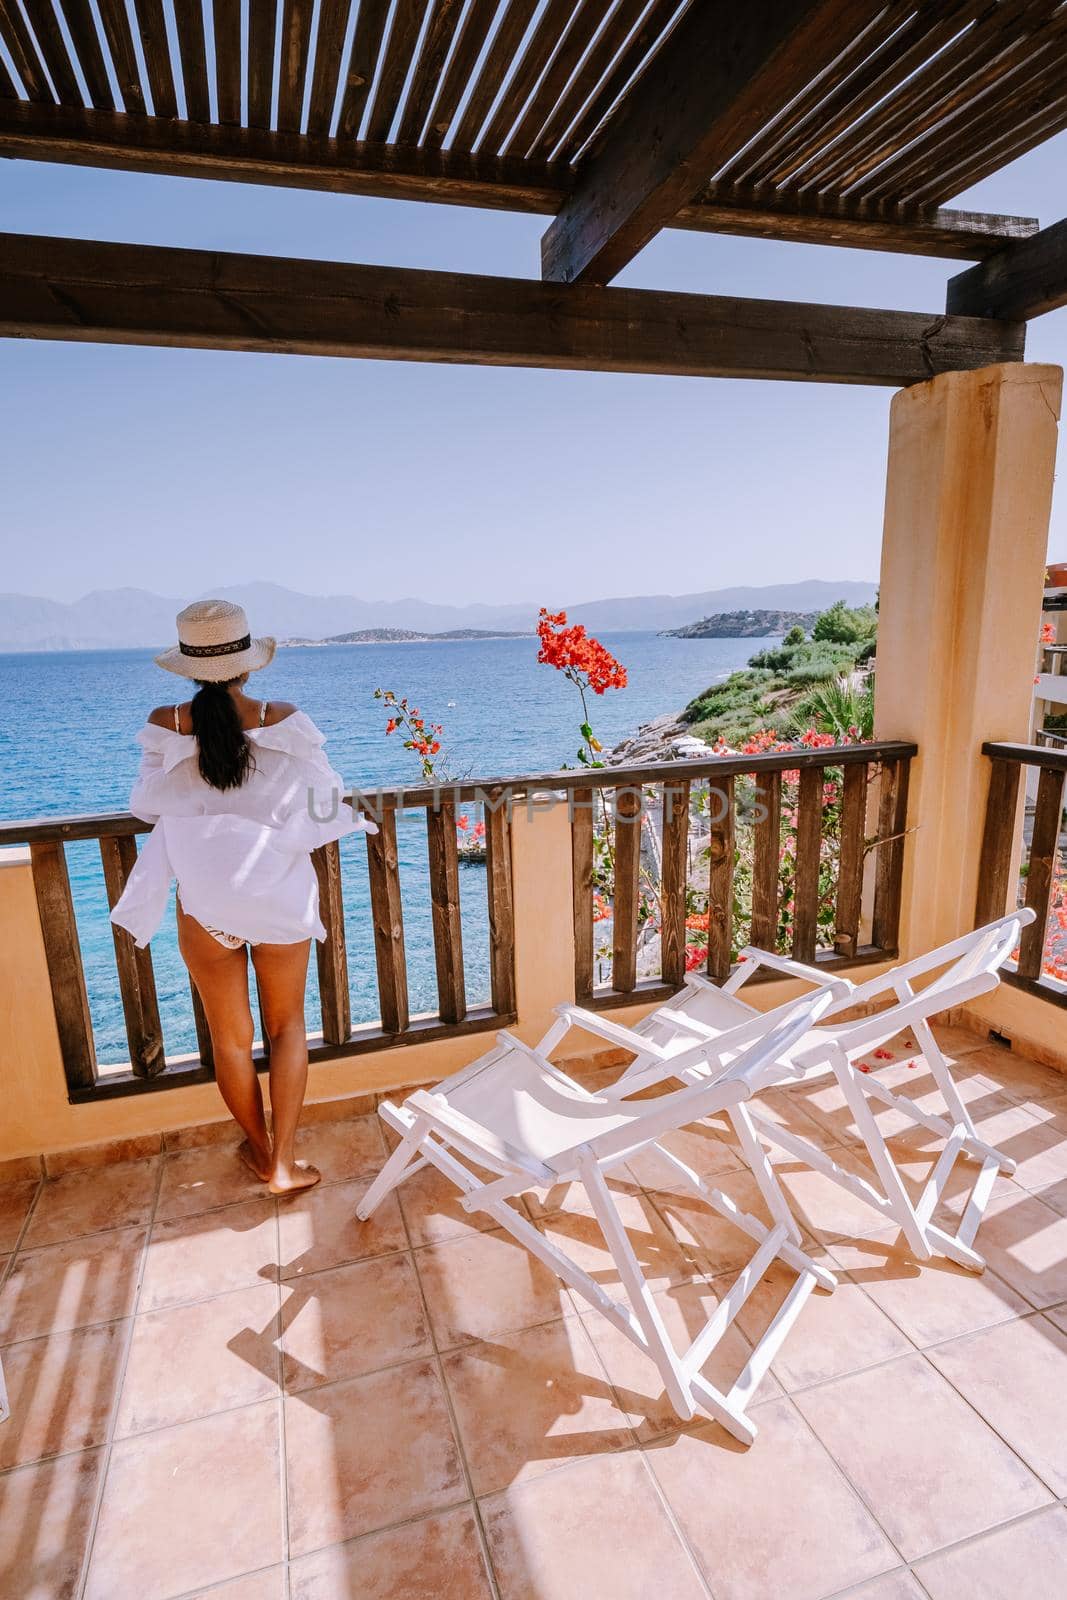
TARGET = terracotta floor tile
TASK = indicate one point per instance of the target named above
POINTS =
(1039, 1148)
(956, 1041)
(431, 1206)
(190, 1506)
(439, 1558)
(85, 1202)
(351, 1320)
(899, 1585)
(189, 1361)
(576, 1231)
(485, 1284)
(320, 1229)
(46, 1516)
(595, 1529)
(1025, 1242)
(527, 1402)
(1015, 1376)
(712, 1241)
(774, 1519)
(61, 1389)
(834, 1334)
(367, 1453)
(263, 1585)
(15, 1201)
(825, 1104)
(1015, 1075)
(928, 1300)
(341, 1150)
(785, 1108)
(702, 1149)
(62, 1286)
(203, 1180)
(685, 1309)
(824, 1207)
(931, 1471)
(1028, 1558)
(194, 1258)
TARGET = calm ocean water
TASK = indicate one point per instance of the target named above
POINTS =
(67, 723)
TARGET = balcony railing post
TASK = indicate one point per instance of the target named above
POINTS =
(673, 881)
(66, 974)
(331, 956)
(137, 982)
(721, 852)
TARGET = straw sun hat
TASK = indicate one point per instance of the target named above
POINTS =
(214, 643)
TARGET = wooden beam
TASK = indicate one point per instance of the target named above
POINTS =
(1023, 281)
(705, 94)
(926, 230)
(258, 154)
(91, 292)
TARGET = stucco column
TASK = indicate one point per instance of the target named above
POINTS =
(544, 915)
(968, 493)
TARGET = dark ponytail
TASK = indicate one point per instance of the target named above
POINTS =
(224, 754)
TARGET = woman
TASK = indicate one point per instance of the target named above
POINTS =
(240, 792)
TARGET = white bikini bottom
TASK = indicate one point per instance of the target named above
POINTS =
(229, 941)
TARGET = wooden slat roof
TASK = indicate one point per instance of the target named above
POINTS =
(921, 101)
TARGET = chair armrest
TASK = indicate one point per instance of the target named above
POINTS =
(751, 958)
(613, 1032)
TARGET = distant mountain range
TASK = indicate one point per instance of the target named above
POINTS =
(111, 619)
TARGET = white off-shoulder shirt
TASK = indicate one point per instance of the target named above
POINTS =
(241, 856)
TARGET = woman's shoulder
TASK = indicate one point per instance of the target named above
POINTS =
(163, 717)
(278, 710)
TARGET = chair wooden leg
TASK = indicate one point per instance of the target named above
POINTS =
(641, 1299)
(404, 1161)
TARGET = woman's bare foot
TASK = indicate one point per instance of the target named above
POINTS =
(294, 1177)
(258, 1162)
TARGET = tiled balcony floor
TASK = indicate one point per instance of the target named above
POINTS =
(214, 1393)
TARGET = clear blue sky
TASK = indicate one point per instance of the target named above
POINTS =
(182, 470)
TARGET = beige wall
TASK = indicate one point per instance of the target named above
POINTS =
(968, 493)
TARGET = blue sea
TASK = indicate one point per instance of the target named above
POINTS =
(67, 725)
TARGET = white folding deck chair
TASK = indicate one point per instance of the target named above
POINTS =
(515, 1114)
(704, 1011)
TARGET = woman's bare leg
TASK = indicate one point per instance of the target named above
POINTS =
(221, 978)
(281, 974)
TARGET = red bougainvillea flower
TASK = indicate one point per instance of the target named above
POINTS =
(883, 1055)
(863, 1066)
(698, 922)
(463, 823)
(1048, 633)
(571, 650)
(695, 955)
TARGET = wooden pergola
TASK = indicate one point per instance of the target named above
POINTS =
(836, 122)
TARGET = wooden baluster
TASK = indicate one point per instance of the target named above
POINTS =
(1044, 846)
(581, 806)
(203, 1032)
(722, 849)
(501, 904)
(66, 975)
(137, 981)
(998, 843)
(766, 865)
(806, 873)
(388, 918)
(445, 908)
(892, 821)
(673, 881)
(849, 909)
(628, 825)
(332, 956)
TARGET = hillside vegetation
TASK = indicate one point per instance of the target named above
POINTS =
(820, 678)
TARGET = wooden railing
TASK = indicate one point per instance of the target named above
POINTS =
(149, 1067)
(1006, 864)
(872, 813)
(649, 811)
